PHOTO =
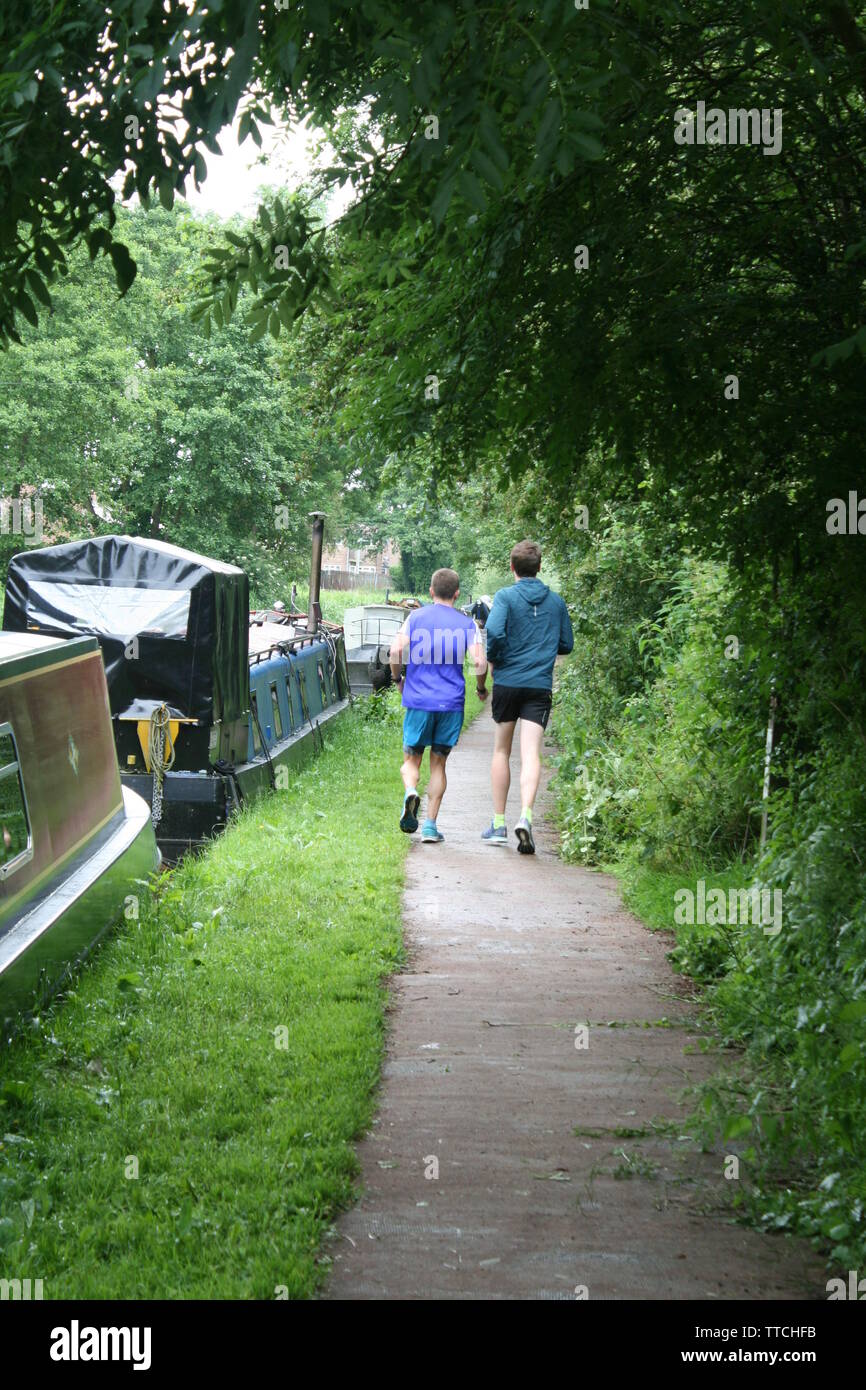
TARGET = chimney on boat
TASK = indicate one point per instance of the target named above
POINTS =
(314, 611)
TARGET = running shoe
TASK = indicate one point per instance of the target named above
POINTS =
(495, 835)
(523, 831)
(409, 818)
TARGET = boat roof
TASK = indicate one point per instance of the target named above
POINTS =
(265, 635)
(25, 643)
(189, 611)
(28, 651)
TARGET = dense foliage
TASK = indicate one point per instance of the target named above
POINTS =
(116, 415)
(662, 725)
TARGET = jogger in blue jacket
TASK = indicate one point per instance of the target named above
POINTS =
(527, 629)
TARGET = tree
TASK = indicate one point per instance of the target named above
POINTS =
(121, 416)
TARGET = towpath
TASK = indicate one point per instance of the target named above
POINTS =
(507, 1159)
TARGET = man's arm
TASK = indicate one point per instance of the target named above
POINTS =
(496, 628)
(395, 656)
(566, 632)
(479, 658)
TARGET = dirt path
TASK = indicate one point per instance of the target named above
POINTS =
(508, 955)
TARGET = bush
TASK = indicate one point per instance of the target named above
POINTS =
(661, 733)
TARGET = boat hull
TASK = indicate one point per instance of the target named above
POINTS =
(198, 805)
(367, 672)
(87, 838)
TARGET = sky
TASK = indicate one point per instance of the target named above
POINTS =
(234, 178)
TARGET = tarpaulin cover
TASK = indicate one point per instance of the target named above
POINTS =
(173, 626)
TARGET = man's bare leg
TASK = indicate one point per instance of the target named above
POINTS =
(531, 739)
(500, 768)
(436, 784)
(410, 772)
(411, 769)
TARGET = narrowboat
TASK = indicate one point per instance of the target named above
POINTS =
(73, 842)
(211, 705)
(369, 631)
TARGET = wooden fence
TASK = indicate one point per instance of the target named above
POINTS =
(345, 579)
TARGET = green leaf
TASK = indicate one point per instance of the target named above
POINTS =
(849, 1055)
(98, 240)
(492, 141)
(770, 1127)
(548, 129)
(472, 190)
(37, 285)
(736, 1126)
(441, 201)
(25, 304)
(124, 266)
(852, 1013)
(589, 147)
(400, 99)
(487, 169)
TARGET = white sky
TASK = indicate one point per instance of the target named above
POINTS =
(235, 177)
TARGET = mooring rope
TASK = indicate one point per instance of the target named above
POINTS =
(159, 734)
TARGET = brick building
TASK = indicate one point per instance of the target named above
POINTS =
(370, 568)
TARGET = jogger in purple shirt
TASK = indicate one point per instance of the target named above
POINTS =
(435, 641)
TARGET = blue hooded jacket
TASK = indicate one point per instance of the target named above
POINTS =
(527, 629)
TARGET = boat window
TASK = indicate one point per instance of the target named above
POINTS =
(275, 705)
(15, 844)
(257, 741)
(116, 610)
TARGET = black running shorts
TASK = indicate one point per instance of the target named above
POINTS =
(512, 702)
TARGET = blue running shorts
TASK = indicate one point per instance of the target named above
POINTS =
(438, 730)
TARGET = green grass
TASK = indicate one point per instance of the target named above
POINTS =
(702, 951)
(334, 602)
(167, 1053)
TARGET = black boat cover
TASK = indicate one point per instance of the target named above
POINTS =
(173, 626)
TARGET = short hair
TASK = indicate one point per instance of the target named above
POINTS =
(526, 559)
(445, 583)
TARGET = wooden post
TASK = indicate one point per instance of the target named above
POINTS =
(314, 611)
(768, 754)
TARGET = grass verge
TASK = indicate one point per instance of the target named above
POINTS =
(180, 1125)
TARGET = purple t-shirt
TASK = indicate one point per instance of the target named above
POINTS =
(439, 638)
